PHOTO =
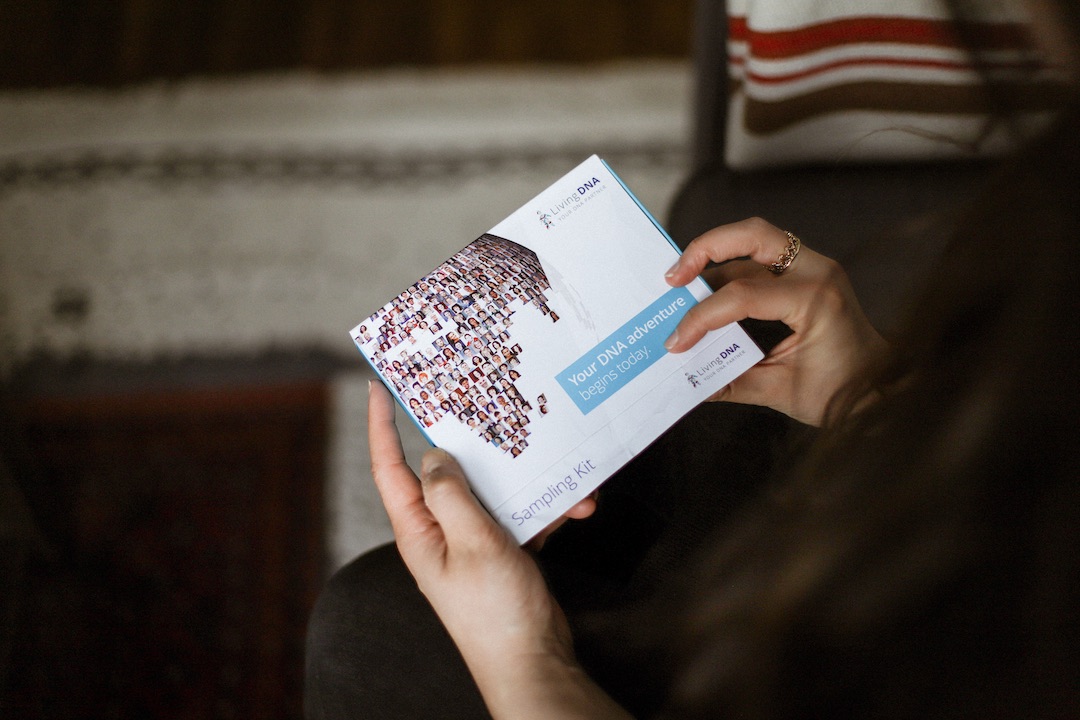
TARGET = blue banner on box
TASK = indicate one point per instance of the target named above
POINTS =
(626, 353)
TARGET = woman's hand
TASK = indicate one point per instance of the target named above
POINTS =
(486, 590)
(831, 339)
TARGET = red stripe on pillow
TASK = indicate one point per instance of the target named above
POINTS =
(780, 44)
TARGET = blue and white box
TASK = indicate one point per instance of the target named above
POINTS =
(535, 355)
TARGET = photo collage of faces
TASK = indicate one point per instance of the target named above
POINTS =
(446, 346)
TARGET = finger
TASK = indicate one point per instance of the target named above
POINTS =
(750, 291)
(739, 299)
(397, 484)
(583, 509)
(754, 387)
(462, 518)
(755, 238)
(720, 275)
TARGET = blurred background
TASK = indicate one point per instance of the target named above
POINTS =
(198, 200)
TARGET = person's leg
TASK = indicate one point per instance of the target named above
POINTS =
(376, 650)
(616, 573)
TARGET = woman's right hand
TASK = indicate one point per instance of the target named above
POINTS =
(486, 590)
(831, 338)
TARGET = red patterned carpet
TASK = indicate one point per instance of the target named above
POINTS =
(185, 538)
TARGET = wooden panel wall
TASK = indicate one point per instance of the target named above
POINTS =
(113, 42)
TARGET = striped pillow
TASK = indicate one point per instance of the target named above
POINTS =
(871, 80)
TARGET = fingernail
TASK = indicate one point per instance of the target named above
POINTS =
(672, 340)
(370, 384)
(671, 271)
(432, 461)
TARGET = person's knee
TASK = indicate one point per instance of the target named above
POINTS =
(375, 649)
(353, 593)
(343, 631)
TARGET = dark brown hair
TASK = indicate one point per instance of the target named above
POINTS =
(923, 560)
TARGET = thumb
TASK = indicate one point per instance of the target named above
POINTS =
(451, 501)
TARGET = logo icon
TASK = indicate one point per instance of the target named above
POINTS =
(546, 219)
(692, 378)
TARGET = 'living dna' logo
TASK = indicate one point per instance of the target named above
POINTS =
(570, 203)
(706, 372)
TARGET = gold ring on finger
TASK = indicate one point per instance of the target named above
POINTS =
(790, 253)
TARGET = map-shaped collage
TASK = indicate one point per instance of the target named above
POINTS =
(446, 343)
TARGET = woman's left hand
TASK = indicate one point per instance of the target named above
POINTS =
(831, 338)
(486, 590)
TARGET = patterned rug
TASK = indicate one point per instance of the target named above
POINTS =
(235, 218)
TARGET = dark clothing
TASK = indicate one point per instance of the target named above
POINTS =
(376, 650)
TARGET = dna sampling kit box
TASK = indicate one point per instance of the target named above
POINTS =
(535, 355)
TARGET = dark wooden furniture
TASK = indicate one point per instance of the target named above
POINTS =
(112, 42)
